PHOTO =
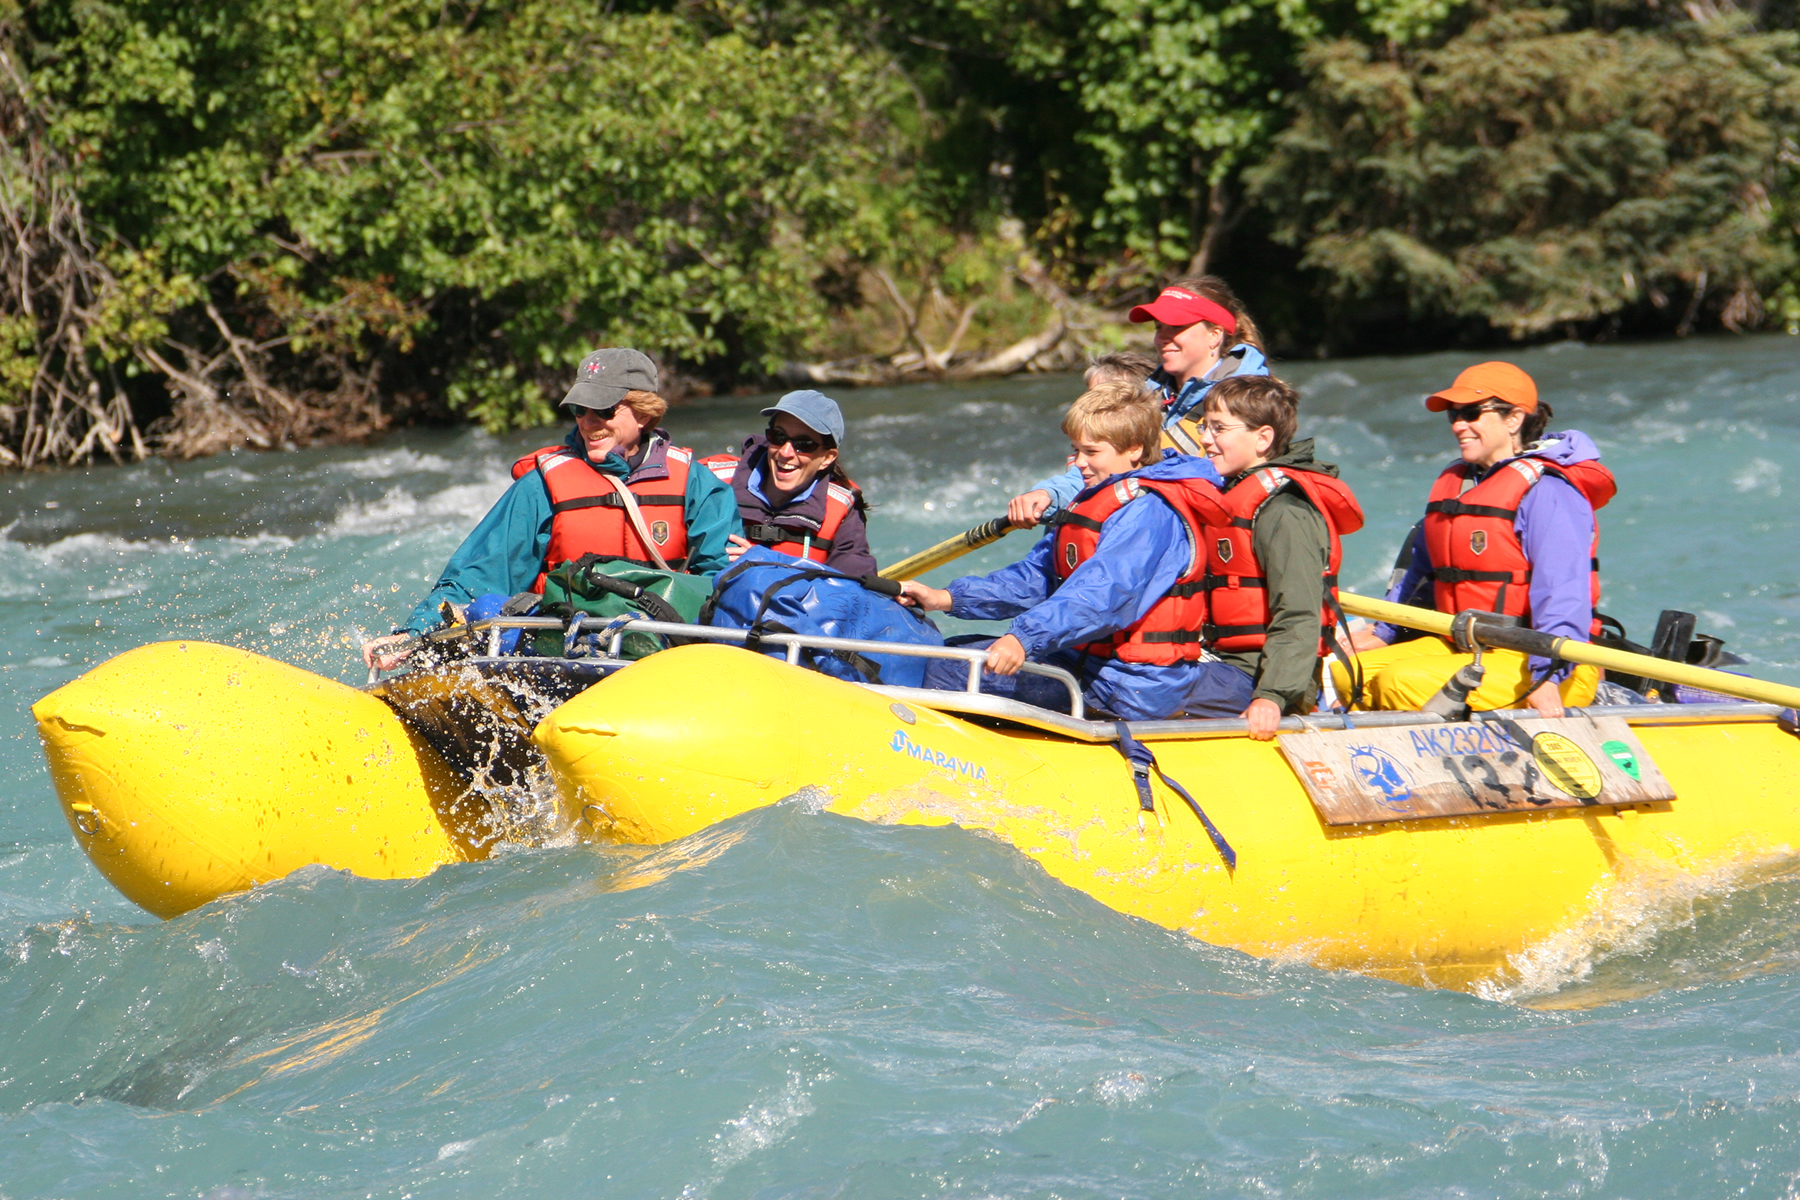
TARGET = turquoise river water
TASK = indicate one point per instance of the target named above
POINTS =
(799, 1005)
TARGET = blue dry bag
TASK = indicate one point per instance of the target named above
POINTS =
(766, 592)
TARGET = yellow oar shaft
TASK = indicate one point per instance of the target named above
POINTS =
(949, 549)
(1584, 652)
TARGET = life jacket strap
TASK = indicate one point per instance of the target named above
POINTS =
(611, 500)
(769, 535)
(1456, 508)
(1079, 521)
(1176, 636)
(1450, 575)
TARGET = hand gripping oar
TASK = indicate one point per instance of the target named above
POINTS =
(949, 549)
(1530, 641)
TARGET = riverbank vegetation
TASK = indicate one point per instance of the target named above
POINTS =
(266, 223)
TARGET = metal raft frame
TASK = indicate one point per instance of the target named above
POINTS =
(971, 701)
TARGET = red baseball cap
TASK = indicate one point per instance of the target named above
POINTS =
(1487, 381)
(1178, 306)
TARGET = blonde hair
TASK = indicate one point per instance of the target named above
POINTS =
(649, 407)
(1121, 366)
(1123, 415)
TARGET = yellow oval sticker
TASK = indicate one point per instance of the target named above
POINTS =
(1566, 766)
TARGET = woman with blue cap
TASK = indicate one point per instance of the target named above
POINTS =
(616, 487)
(791, 490)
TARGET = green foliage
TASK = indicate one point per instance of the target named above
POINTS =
(1540, 178)
(367, 172)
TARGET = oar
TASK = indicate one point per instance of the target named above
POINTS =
(1530, 641)
(949, 549)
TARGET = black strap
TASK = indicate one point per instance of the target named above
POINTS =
(1352, 664)
(1178, 636)
(771, 535)
(1456, 508)
(1142, 763)
(1450, 575)
(1214, 582)
(612, 500)
(1215, 632)
(1079, 521)
(1183, 591)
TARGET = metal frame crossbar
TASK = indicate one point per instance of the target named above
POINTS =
(972, 701)
(612, 631)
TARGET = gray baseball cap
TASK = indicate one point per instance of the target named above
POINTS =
(819, 411)
(604, 377)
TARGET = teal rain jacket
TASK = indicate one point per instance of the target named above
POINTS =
(505, 552)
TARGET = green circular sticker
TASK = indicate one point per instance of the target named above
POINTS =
(1623, 755)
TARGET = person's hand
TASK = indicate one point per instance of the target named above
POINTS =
(1264, 717)
(1006, 656)
(1023, 511)
(386, 653)
(1365, 639)
(914, 594)
(1547, 699)
(737, 544)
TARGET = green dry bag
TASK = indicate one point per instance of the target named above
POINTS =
(611, 587)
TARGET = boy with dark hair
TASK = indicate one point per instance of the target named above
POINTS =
(1272, 552)
(1114, 592)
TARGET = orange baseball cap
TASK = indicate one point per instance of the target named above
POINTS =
(1487, 381)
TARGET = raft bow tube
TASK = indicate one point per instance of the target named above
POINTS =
(699, 734)
(189, 770)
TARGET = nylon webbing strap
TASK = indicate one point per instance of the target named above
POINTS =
(1177, 636)
(1456, 508)
(1450, 575)
(1142, 763)
(611, 501)
(1079, 521)
(769, 535)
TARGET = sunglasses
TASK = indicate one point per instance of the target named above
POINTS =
(604, 414)
(802, 444)
(1471, 413)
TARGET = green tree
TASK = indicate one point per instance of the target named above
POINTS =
(1542, 178)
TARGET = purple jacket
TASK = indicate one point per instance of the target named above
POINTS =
(804, 513)
(1555, 524)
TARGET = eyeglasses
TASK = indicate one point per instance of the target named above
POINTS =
(1471, 413)
(801, 443)
(1217, 427)
(603, 414)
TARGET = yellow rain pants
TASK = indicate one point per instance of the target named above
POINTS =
(1407, 674)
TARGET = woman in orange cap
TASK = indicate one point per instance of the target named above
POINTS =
(1509, 527)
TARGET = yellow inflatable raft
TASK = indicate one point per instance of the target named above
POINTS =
(659, 751)
(188, 771)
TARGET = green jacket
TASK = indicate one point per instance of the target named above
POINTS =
(1293, 547)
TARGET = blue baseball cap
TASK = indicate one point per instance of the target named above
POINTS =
(819, 411)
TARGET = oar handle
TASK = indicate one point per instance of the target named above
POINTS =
(1530, 641)
(949, 549)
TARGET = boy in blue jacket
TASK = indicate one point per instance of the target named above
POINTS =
(1113, 592)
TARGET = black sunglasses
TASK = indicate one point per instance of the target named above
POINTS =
(1472, 412)
(801, 443)
(605, 414)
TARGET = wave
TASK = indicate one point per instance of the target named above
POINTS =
(398, 510)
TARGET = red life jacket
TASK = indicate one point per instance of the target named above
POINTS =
(1237, 596)
(797, 540)
(1476, 558)
(1170, 631)
(587, 516)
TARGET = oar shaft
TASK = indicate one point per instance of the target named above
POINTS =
(949, 549)
(1530, 641)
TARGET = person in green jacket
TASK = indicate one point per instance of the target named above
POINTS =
(617, 411)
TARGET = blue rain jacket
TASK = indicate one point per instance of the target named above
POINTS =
(1143, 550)
(505, 551)
(1241, 359)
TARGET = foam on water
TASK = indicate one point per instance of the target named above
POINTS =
(795, 1004)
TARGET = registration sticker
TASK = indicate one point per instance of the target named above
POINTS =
(1566, 766)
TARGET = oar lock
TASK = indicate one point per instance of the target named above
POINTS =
(1462, 628)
